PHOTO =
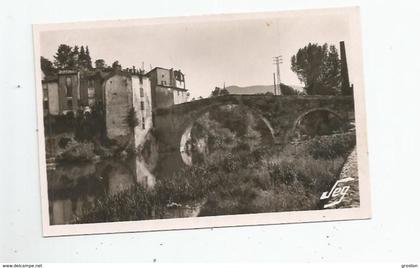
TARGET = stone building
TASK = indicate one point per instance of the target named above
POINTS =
(72, 90)
(50, 95)
(118, 101)
(91, 88)
(168, 87)
(142, 103)
(68, 91)
(115, 93)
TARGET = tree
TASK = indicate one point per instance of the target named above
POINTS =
(84, 60)
(75, 55)
(215, 92)
(100, 64)
(318, 67)
(47, 67)
(219, 92)
(131, 118)
(116, 66)
(287, 90)
(223, 92)
(64, 57)
(82, 57)
(88, 60)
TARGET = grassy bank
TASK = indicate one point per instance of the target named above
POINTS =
(268, 179)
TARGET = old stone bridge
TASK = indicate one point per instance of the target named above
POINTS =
(281, 114)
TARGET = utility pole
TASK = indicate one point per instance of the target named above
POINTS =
(277, 61)
(275, 86)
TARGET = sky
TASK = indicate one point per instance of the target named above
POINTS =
(209, 52)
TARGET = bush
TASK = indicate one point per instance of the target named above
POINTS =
(131, 118)
(62, 143)
(80, 152)
(285, 173)
(269, 179)
(136, 203)
(330, 148)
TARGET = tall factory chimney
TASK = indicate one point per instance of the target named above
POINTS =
(346, 89)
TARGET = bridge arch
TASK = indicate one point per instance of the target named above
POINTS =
(298, 120)
(188, 125)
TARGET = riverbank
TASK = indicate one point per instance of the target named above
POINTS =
(268, 179)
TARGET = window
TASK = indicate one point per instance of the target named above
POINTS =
(143, 123)
(141, 92)
(45, 92)
(70, 104)
(45, 103)
(142, 105)
(68, 87)
(91, 92)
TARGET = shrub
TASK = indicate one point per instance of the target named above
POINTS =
(80, 152)
(63, 142)
(339, 145)
(136, 203)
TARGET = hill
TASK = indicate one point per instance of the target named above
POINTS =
(257, 89)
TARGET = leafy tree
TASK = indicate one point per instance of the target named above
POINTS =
(84, 59)
(47, 66)
(131, 118)
(223, 92)
(82, 56)
(88, 60)
(288, 90)
(100, 64)
(116, 65)
(318, 67)
(219, 92)
(75, 55)
(64, 57)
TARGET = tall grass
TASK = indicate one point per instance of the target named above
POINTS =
(269, 179)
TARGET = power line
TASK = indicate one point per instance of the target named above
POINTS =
(277, 61)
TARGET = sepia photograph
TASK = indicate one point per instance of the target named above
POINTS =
(206, 121)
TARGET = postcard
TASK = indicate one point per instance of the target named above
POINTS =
(202, 121)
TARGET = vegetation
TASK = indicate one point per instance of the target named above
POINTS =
(47, 67)
(219, 92)
(68, 57)
(288, 90)
(74, 58)
(318, 67)
(268, 179)
(131, 118)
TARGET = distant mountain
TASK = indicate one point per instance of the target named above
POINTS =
(257, 89)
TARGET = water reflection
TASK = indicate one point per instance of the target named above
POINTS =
(75, 187)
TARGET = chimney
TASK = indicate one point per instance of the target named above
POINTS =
(346, 89)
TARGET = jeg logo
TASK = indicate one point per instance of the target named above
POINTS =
(337, 190)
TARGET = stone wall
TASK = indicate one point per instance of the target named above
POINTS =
(118, 102)
(282, 113)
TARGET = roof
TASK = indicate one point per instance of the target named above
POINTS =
(157, 67)
(50, 78)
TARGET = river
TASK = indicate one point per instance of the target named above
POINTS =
(75, 187)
